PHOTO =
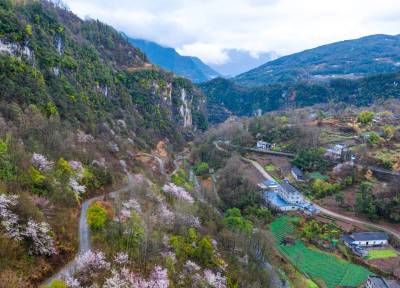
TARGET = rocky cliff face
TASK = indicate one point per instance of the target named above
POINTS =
(86, 72)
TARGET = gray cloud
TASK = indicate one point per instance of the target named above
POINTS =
(208, 28)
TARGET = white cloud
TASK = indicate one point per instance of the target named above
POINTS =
(205, 28)
(213, 53)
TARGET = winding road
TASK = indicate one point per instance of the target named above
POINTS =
(276, 280)
(160, 161)
(84, 235)
(323, 210)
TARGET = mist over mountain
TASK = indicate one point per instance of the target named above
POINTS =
(359, 72)
(186, 66)
(241, 61)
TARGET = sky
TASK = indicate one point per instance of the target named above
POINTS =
(209, 28)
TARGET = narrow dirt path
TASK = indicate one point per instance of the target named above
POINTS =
(161, 162)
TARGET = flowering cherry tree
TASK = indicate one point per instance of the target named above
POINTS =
(76, 187)
(71, 281)
(121, 258)
(128, 206)
(214, 279)
(41, 243)
(40, 162)
(9, 220)
(158, 278)
(178, 192)
(120, 279)
(126, 279)
(92, 262)
(78, 175)
(166, 214)
(76, 166)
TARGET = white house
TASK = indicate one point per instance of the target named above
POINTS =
(336, 152)
(374, 281)
(264, 145)
(366, 239)
(290, 194)
(271, 185)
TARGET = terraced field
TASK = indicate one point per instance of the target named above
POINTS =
(316, 264)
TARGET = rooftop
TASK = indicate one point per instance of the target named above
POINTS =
(289, 188)
(297, 171)
(380, 282)
(270, 183)
(369, 236)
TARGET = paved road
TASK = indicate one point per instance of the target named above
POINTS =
(84, 235)
(395, 233)
(276, 281)
(325, 211)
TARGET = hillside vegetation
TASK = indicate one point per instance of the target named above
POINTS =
(76, 102)
(225, 97)
(348, 59)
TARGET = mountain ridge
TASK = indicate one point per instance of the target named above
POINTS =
(349, 59)
(168, 58)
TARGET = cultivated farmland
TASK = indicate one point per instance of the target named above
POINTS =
(314, 263)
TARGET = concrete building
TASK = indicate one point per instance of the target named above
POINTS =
(290, 194)
(264, 145)
(366, 239)
(380, 282)
(336, 152)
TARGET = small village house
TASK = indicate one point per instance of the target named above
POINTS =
(336, 152)
(366, 239)
(297, 174)
(290, 193)
(374, 281)
(264, 145)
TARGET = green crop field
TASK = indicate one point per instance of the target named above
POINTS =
(378, 254)
(314, 263)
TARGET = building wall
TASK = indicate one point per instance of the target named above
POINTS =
(289, 208)
(369, 284)
(371, 243)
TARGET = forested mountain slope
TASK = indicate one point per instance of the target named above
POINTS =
(348, 59)
(225, 97)
(77, 100)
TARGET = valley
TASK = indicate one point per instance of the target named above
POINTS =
(118, 171)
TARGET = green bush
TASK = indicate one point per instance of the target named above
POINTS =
(201, 169)
(194, 247)
(310, 160)
(97, 216)
(235, 221)
(373, 139)
(365, 117)
(181, 179)
(57, 284)
(322, 188)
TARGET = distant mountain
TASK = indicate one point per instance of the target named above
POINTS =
(226, 98)
(350, 59)
(241, 61)
(189, 67)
